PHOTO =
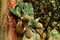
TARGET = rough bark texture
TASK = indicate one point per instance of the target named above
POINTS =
(7, 22)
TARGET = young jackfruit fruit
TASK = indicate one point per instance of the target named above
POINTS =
(19, 24)
(26, 18)
(28, 33)
(39, 25)
(19, 28)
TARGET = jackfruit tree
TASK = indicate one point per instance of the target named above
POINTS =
(30, 20)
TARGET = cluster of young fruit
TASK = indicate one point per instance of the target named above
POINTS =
(47, 12)
(23, 26)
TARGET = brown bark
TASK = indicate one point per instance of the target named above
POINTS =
(8, 22)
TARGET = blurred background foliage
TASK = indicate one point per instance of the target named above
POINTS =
(49, 13)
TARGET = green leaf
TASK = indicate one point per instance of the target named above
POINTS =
(13, 11)
(18, 9)
(36, 21)
(28, 9)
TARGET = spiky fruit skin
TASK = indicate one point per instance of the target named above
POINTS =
(39, 26)
(28, 33)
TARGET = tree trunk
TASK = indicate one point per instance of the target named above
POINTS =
(7, 22)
